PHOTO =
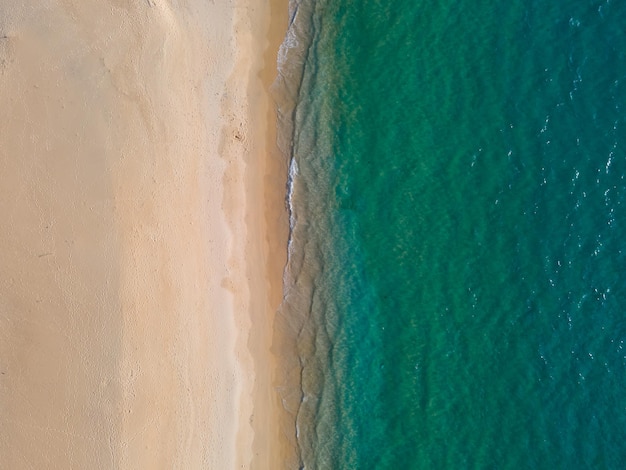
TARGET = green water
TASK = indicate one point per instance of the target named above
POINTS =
(457, 258)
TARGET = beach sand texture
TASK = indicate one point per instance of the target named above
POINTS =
(136, 199)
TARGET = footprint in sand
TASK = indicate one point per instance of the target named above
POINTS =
(6, 53)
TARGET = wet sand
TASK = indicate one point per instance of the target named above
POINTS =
(143, 235)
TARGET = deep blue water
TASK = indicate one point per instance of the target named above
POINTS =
(457, 257)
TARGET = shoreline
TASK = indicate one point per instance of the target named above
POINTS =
(146, 238)
(263, 221)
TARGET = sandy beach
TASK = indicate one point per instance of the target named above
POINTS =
(143, 235)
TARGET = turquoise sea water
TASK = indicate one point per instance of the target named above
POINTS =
(457, 273)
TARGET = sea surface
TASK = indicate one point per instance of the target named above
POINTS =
(457, 260)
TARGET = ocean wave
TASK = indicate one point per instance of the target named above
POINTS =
(293, 311)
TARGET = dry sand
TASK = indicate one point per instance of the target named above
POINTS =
(143, 234)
